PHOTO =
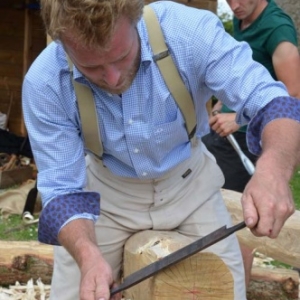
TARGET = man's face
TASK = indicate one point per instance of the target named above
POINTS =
(113, 69)
(243, 9)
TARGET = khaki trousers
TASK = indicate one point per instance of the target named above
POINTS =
(192, 206)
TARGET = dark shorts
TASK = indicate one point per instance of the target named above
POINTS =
(236, 176)
(13, 144)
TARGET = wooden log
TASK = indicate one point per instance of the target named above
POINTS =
(16, 175)
(201, 276)
(285, 248)
(270, 284)
(22, 261)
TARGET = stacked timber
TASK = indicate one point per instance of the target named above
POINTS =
(201, 276)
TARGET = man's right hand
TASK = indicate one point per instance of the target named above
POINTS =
(96, 279)
(78, 237)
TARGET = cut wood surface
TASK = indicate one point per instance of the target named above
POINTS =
(22, 261)
(285, 248)
(201, 276)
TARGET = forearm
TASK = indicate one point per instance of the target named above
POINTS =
(79, 238)
(280, 148)
(267, 199)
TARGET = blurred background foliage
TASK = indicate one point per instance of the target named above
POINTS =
(227, 22)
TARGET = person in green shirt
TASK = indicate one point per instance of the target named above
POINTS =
(272, 36)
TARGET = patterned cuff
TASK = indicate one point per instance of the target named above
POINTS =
(59, 210)
(278, 108)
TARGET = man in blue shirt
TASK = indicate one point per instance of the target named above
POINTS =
(151, 175)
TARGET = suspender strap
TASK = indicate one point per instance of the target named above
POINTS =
(169, 71)
(85, 98)
(88, 116)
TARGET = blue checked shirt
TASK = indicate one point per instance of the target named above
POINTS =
(143, 133)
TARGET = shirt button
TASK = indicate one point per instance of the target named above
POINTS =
(136, 150)
(144, 174)
(130, 121)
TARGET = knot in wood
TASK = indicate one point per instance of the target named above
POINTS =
(20, 263)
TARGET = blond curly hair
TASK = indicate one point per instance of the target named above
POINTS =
(92, 21)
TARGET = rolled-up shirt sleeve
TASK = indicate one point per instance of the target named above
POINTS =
(280, 107)
(54, 129)
(64, 208)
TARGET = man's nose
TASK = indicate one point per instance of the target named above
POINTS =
(111, 75)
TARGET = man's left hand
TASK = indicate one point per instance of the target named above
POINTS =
(267, 203)
(223, 124)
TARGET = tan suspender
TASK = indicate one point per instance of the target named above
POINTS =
(88, 116)
(161, 56)
(169, 71)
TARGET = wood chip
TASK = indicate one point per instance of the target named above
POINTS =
(31, 291)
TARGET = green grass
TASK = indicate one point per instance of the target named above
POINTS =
(13, 229)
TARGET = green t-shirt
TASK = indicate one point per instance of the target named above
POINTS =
(272, 27)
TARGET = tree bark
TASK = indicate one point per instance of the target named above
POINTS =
(22, 261)
(270, 284)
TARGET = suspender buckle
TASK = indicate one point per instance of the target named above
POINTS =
(160, 55)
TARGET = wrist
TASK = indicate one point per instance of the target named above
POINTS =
(276, 163)
(86, 255)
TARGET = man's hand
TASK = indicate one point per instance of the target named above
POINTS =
(96, 280)
(223, 123)
(267, 203)
(78, 237)
(267, 200)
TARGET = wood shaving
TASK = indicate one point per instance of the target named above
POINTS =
(261, 260)
(31, 291)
